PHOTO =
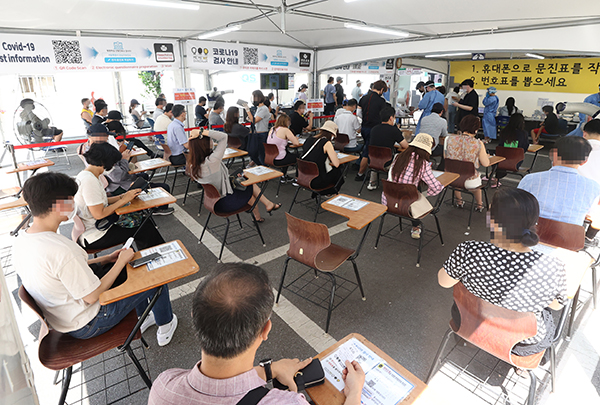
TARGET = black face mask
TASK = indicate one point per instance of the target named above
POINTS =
(255, 103)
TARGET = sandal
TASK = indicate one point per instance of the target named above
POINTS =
(260, 220)
(459, 203)
(479, 208)
(275, 208)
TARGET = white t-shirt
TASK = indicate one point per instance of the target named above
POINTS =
(591, 170)
(162, 123)
(90, 193)
(57, 276)
(347, 124)
(263, 125)
(452, 97)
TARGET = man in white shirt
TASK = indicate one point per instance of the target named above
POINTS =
(591, 169)
(163, 121)
(357, 91)
(160, 104)
(61, 279)
(348, 124)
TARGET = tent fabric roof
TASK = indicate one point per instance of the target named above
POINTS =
(303, 29)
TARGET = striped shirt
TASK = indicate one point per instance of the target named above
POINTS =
(425, 175)
(563, 194)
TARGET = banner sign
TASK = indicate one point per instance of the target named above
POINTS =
(184, 96)
(225, 56)
(375, 67)
(567, 75)
(315, 105)
(41, 54)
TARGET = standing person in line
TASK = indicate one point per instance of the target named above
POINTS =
(431, 97)
(371, 105)
(139, 118)
(330, 99)
(436, 126)
(339, 92)
(301, 95)
(160, 104)
(591, 99)
(469, 104)
(451, 98)
(201, 113)
(177, 140)
(234, 129)
(490, 103)
(357, 91)
(260, 120)
(348, 124)
(214, 117)
(86, 112)
(509, 108)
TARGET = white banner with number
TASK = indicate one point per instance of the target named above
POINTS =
(40, 54)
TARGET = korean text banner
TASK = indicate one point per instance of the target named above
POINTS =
(224, 56)
(548, 75)
(42, 54)
(375, 67)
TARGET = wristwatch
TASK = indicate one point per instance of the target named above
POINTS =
(266, 364)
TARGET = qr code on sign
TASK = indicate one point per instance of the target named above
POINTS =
(250, 56)
(67, 52)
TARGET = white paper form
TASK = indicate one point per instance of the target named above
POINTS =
(348, 203)
(35, 162)
(149, 162)
(171, 253)
(259, 170)
(437, 173)
(342, 155)
(230, 151)
(152, 194)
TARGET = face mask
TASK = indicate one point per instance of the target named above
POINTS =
(255, 103)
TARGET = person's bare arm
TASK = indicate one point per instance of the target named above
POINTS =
(555, 305)
(445, 280)
(289, 135)
(332, 154)
(100, 211)
(484, 159)
(107, 281)
(310, 121)
(86, 116)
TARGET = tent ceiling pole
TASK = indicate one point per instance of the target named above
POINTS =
(235, 4)
(247, 20)
(307, 3)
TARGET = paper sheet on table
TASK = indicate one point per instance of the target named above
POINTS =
(348, 203)
(170, 253)
(301, 140)
(152, 194)
(341, 155)
(35, 162)
(149, 162)
(230, 151)
(259, 170)
(437, 173)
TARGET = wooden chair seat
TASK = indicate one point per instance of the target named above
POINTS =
(513, 156)
(378, 158)
(332, 257)
(307, 172)
(233, 142)
(341, 141)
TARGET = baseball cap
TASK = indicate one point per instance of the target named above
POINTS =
(339, 79)
(114, 115)
(330, 126)
(134, 101)
(437, 108)
(423, 141)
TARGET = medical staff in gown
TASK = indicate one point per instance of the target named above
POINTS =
(488, 123)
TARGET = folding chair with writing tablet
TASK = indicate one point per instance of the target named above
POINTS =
(513, 156)
(271, 152)
(307, 172)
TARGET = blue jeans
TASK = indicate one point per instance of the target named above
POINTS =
(366, 134)
(256, 149)
(354, 149)
(110, 315)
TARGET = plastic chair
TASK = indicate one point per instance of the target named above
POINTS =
(341, 141)
(399, 198)
(311, 245)
(78, 230)
(271, 152)
(307, 172)
(465, 170)
(151, 122)
(168, 169)
(378, 158)
(513, 156)
(497, 330)
(211, 197)
(60, 351)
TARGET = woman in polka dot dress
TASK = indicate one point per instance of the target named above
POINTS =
(506, 272)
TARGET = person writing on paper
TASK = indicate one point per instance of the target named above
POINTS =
(506, 272)
(63, 282)
(234, 129)
(231, 314)
(319, 149)
(279, 136)
(298, 122)
(413, 167)
(103, 228)
(206, 167)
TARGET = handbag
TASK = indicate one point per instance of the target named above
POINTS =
(310, 376)
(420, 207)
(131, 220)
(236, 180)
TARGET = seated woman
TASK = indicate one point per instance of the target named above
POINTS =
(412, 167)
(279, 136)
(468, 149)
(113, 123)
(139, 119)
(93, 205)
(207, 167)
(513, 136)
(233, 128)
(506, 272)
(319, 150)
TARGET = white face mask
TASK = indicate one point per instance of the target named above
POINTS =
(69, 214)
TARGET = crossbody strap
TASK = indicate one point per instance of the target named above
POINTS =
(253, 397)
(311, 148)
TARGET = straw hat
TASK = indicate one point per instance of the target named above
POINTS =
(330, 126)
(423, 141)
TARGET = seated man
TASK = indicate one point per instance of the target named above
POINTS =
(591, 169)
(563, 194)
(101, 112)
(231, 312)
(59, 276)
(298, 123)
(348, 124)
(386, 134)
(177, 140)
(436, 126)
(550, 125)
(113, 123)
(214, 118)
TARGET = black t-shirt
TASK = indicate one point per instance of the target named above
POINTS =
(116, 127)
(98, 119)
(371, 105)
(200, 115)
(471, 99)
(339, 94)
(386, 135)
(551, 124)
(298, 123)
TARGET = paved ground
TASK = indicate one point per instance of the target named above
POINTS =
(406, 312)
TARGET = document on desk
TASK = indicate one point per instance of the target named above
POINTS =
(437, 173)
(230, 151)
(152, 194)
(149, 163)
(348, 203)
(301, 141)
(35, 162)
(170, 253)
(383, 384)
(342, 155)
(259, 170)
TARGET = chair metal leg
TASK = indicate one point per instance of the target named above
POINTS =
(332, 277)
(187, 188)
(239, 220)
(594, 286)
(201, 203)
(487, 203)
(552, 367)
(287, 261)
(438, 355)
(420, 244)
(166, 174)
(139, 367)
(400, 224)
(278, 187)
(144, 342)
(380, 229)
(224, 239)
(367, 176)
(572, 317)
(362, 292)
(205, 227)
(174, 179)
(318, 206)
(471, 211)
(532, 387)
(258, 228)
(66, 381)
(437, 223)
(294, 200)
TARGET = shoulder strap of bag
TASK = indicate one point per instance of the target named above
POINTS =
(253, 397)
(311, 148)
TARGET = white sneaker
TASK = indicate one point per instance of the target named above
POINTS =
(415, 233)
(165, 337)
(371, 187)
(150, 321)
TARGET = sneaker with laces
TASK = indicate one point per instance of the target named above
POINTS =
(359, 177)
(163, 211)
(371, 187)
(164, 338)
(415, 233)
(149, 321)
